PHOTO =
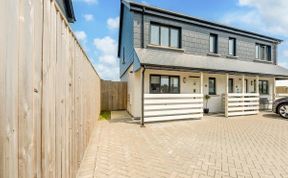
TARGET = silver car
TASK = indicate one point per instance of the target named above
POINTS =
(280, 107)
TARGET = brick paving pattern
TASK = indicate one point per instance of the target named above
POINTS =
(250, 146)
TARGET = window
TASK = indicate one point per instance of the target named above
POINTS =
(263, 87)
(174, 40)
(213, 43)
(164, 87)
(232, 46)
(263, 52)
(155, 84)
(246, 86)
(123, 55)
(231, 85)
(165, 36)
(212, 86)
(164, 84)
(155, 32)
(174, 85)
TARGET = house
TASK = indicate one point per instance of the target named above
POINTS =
(171, 61)
(66, 7)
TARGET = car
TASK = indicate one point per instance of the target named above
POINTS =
(280, 107)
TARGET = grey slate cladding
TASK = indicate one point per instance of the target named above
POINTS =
(195, 39)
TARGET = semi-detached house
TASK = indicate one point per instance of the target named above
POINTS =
(171, 61)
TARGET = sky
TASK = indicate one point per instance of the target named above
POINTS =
(97, 24)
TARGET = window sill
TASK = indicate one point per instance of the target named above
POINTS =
(232, 57)
(214, 54)
(262, 61)
(165, 48)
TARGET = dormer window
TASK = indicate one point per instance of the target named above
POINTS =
(165, 36)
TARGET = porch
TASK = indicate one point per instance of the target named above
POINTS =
(177, 95)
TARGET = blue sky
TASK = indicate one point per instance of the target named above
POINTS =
(98, 22)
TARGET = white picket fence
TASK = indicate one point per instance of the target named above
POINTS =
(238, 104)
(163, 107)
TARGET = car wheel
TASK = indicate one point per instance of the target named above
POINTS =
(283, 110)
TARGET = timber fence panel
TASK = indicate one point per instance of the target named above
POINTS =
(113, 95)
(49, 92)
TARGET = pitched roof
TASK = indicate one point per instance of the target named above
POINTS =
(162, 58)
(197, 21)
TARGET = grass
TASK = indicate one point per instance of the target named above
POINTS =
(105, 115)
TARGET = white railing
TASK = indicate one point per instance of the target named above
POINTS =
(238, 104)
(281, 95)
(163, 107)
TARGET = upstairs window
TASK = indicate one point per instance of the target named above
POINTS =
(164, 84)
(165, 36)
(263, 52)
(155, 35)
(232, 46)
(213, 43)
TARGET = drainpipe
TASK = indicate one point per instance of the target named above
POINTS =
(142, 28)
(142, 98)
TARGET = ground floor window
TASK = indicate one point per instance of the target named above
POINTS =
(164, 84)
(263, 87)
(231, 85)
(212, 86)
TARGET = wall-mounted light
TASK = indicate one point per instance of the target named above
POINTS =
(184, 79)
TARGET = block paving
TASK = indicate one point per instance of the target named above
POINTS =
(248, 146)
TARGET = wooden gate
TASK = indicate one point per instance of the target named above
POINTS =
(113, 95)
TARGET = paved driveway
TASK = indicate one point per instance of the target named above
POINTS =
(251, 146)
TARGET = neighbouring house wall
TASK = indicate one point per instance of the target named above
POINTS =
(49, 92)
(195, 39)
(127, 57)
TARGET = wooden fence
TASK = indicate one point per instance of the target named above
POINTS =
(49, 92)
(240, 104)
(113, 95)
(163, 107)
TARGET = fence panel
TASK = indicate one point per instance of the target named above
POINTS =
(162, 107)
(113, 95)
(238, 104)
(49, 92)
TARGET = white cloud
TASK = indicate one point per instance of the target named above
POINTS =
(282, 83)
(106, 45)
(81, 35)
(107, 65)
(91, 1)
(88, 17)
(113, 23)
(267, 16)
